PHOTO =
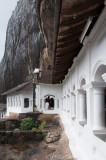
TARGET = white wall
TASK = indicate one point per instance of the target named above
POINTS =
(15, 102)
(90, 58)
(83, 143)
(44, 90)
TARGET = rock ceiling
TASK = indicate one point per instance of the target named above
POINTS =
(73, 15)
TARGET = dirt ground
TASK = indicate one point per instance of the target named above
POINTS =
(58, 150)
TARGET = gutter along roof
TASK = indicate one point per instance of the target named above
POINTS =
(70, 24)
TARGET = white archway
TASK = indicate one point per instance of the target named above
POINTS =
(99, 95)
(53, 99)
(99, 70)
(82, 81)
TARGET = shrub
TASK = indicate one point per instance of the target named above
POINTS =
(40, 127)
(28, 124)
(44, 135)
(35, 129)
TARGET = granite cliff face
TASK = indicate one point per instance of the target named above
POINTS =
(29, 42)
(24, 44)
(46, 18)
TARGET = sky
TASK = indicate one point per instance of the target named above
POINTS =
(6, 9)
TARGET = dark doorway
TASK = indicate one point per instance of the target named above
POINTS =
(49, 102)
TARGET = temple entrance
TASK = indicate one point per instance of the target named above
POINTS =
(49, 102)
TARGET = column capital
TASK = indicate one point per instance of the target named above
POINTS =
(81, 91)
(94, 84)
(104, 77)
(72, 93)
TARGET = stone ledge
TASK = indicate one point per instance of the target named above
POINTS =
(16, 137)
(34, 116)
(9, 124)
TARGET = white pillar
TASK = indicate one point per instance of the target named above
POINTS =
(55, 103)
(89, 100)
(64, 103)
(73, 113)
(43, 103)
(99, 109)
(40, 106)
(104, 77)
(58, 103)
(82, 107)
(68, 103)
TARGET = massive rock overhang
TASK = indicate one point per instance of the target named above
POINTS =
(70, 19)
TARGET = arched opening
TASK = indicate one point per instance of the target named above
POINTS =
(49, 102)
(99, 91)
(26, 102)
(83, 82)
(100, 71)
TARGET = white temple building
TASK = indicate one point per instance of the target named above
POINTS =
(20, 99)
(80, 99)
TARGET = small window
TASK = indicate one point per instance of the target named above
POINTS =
(26, 102)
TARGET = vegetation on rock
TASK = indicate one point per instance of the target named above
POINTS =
(28, 124)
(44, 135)
(40, 127)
